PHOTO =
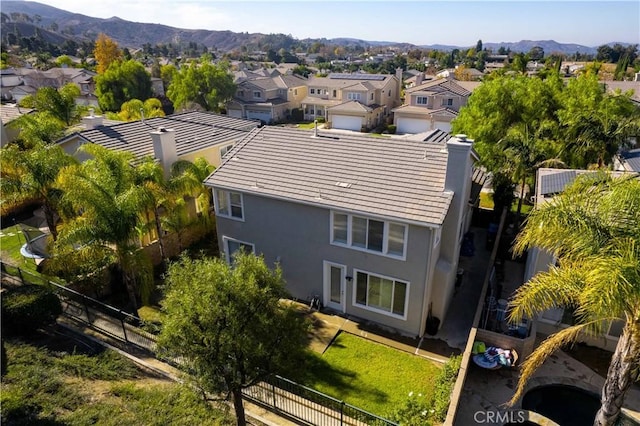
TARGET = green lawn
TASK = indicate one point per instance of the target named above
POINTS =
(370, 375)
(11, 239)
(486, 202)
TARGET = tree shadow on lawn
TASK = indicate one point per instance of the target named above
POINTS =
(317, 373)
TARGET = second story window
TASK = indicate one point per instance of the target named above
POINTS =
(229, 204)
(312, 91)
(372, 96)
(421, 100)
(353, 96)
(241, 93)
(257, 95)
(447, 102)
(368, 234)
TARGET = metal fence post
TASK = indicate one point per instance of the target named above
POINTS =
(124, 331)
(341, 413)
(273, 394)
(86, 310)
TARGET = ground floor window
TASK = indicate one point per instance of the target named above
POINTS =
(381, 294)
(231, 246)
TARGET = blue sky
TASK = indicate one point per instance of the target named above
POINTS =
(453, 22)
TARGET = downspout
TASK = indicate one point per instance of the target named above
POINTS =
(426, 300)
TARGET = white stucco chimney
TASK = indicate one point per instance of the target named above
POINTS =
(164, 148)
(92, 121)
(419, 79)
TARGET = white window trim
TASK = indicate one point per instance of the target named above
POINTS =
(225, 245)
(419, 98)
(228, 194)
(258, 93)
(376, 310)
(385, 237)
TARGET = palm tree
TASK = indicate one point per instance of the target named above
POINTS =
(526, 148)
(189, 177)
(103, 207)
(592, 230)
(31, 174)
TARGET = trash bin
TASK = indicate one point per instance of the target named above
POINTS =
(501, 312)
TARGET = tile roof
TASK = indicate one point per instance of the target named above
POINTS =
(401, 178)
(10, 112)
(341, 83)
(413, 109)
(353, 106)
(195, 130)
(442, 85)
(631, 160)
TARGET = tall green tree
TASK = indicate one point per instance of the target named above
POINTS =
(61, 103)
(135, 109)
(228, 324)
(121, 82)
(201, 83)
(39, 127)
(103, 206)
(31, 174)
(592, 230)
(513, 122)
(594, 124)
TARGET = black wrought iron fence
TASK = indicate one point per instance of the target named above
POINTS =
(308, 405)
(277, 393)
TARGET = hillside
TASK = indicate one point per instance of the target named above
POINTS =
(135, 34)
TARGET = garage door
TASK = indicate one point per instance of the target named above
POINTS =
(346, 122)
(412, 125)
(259, 115)
(445, 126)
(237, 113)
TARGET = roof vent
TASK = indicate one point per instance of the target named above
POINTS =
(162, 129)
(343, 184)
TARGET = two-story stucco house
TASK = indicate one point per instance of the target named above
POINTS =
(430, 105)
(371, 226)
(268, 99)
(194, 134)
(352, 101)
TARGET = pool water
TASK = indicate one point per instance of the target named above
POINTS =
(565, 405)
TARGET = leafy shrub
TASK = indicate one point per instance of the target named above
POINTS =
(108, 365)
(28, 307)
(419, 410)
(320, 119)
(444, 385)
(391, 128)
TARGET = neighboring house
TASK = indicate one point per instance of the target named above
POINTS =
(195, 134)
(467, 74)
(352, 101)
(372, 227)
(627, 161)
(9, 79)
(8, 113)
(430, 105)
(268, 99)
(550, 182)
(31, 80)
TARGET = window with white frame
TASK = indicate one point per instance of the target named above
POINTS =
(229, 204)
(381, 294)
(421, 100)
(368, 234)
(372, 96)
(353, 96)
(257, 94)
(312, 91)
(231, 246)
(225, 150)
(447, 102)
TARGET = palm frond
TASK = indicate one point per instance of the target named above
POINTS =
(543, 351)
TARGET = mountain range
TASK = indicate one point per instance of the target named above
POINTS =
(79, 27)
